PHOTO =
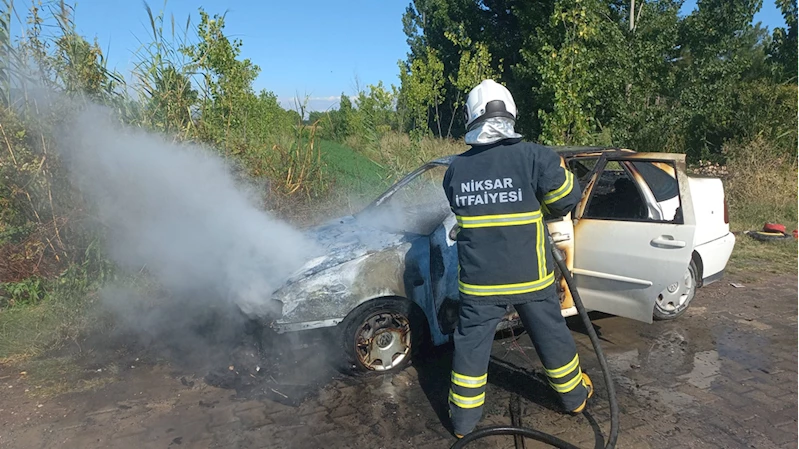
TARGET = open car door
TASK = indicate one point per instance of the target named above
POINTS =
(634, 233)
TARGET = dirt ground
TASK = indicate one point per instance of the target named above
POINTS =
(723, 375)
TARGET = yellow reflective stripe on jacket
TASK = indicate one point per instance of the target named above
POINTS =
(539, 242)
(568, 386)
(469, 381)
(561, 191)
(557, 373)
(467, 401)
(507, 289)
(486, 221)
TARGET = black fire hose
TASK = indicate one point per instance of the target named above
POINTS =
(603, 363)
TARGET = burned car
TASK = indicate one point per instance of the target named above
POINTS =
(644, 237)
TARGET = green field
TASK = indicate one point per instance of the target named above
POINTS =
(352, 173)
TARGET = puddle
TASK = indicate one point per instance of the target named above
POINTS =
(676, 401)
(668, 354)
(621, 362)
(706, 369)
(744, 347)
(388, 389)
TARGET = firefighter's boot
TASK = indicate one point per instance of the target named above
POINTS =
(590, 387)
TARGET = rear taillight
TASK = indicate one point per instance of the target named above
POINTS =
(726, 212)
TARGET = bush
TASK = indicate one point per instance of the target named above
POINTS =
(762, 184)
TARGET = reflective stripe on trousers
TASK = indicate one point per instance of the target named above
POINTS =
(474, 338)
(467, 401)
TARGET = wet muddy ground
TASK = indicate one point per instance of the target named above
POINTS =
(724, 375)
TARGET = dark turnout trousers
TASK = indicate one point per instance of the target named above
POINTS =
(473, 339)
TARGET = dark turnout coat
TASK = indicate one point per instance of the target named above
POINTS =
(500, 194)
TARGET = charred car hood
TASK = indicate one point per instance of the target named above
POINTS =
(342, 240)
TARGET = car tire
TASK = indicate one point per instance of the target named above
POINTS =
(379, 329)
(769, 236)
(669, 306)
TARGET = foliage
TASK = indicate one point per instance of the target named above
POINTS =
(163, 82)
(343, 120)
(783, 48)
(189, 82)
(233, 115)
(609, 72)
(473, 67)
(572, 72)
(423, 91)
(761, 187)
(5, 51)
(400, 153)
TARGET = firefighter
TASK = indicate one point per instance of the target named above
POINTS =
(500, 191)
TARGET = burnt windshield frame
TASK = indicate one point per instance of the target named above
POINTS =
(383, 197)
(418, 225)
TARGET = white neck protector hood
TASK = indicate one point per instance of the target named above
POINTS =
(492, 130)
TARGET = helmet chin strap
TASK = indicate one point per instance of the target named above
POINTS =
(492, 130)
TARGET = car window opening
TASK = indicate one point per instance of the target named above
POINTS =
(636, 191)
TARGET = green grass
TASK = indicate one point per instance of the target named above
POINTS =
(751, 259)
(48, 377)
(761, 188)
(353, 174)
(28, 331)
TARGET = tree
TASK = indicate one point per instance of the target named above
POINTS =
(474, 66)
(569, 70)
(376, 109)
(423, 90)
(342, 118)
(715, 40)
(784, 45)
(617, 72)
(227, 80)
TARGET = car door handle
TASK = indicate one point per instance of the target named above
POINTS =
(668, 242)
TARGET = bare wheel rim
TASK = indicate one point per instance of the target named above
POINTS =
(678, 295)
(383, 341)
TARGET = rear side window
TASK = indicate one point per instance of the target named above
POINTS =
(660, 177)
(615, 196)
(636, 191)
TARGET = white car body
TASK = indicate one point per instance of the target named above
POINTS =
(623, 266)
(713, 240)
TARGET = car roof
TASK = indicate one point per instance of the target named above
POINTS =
(563, 150)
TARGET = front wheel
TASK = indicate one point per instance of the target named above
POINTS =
(382, 335)
(674, 301)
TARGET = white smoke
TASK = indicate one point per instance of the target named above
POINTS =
(176, 210)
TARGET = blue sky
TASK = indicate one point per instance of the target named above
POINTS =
(314, 48)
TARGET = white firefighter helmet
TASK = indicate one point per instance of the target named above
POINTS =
(488, 99)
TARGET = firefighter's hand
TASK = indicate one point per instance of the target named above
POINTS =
(453, 233)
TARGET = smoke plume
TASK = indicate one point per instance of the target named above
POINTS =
(176, 211)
